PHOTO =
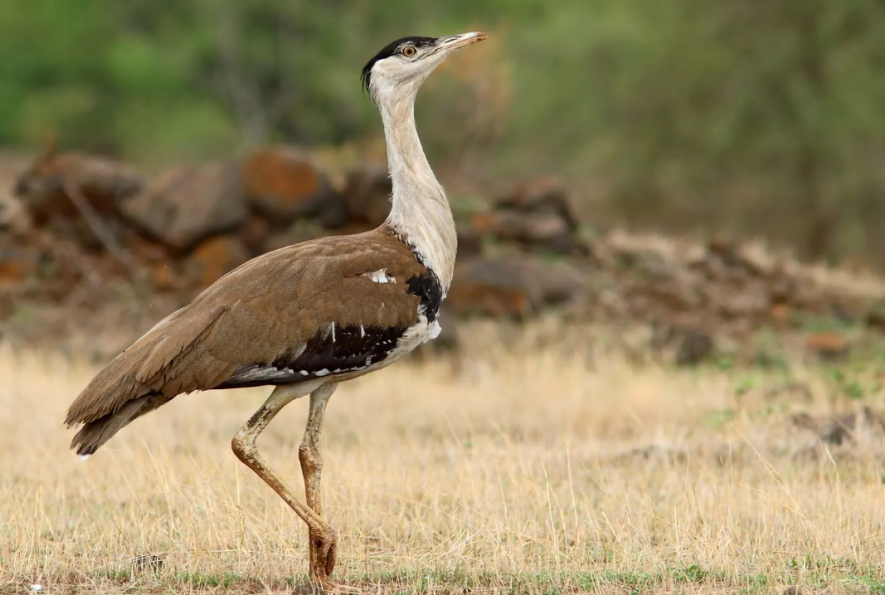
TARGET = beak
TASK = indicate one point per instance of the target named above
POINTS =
(454, 42)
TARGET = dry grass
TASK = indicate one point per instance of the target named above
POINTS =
(532, 471)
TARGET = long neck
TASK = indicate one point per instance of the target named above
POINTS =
(419, 212)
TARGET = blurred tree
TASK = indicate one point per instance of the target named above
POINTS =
(758, 117)
(763, 117)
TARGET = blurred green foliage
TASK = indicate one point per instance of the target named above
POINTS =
(765, 118)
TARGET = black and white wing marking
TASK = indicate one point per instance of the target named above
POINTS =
(340, 349)
(333, 350)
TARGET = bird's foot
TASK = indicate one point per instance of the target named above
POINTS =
(323, 553)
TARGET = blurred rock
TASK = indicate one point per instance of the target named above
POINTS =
(14, 218)
(367, 194)
(827, 346)
(553, 282)
(687, 346)
(525, 228)
(186, 204)
(534, 231)
(86, 236)
(145, 250)
(284, 183)
(213, 258)
(165, 276)
(469, 243)
(747, 301)
(8, 306)
(513, 287)
(875, 317)
(18, 264)
(299, 231)
(483, 287)
(193, 223)
(544, 195)
(780, 313)
(254, 232)
(102, 182)
(694, 348)
(724, 256)
(781, 287)
(536, 216)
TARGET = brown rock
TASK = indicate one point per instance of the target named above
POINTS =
(687, 346)
(164, 277)
(18, 264)
(781, 312)
(827, 346)
(542, 195)
(483, 223)
(78, 230)
(213, 258)
(469, 243)
(513, 287)
(874, 318)
(14, 217)
(552, 283)
(284, 183)
(254, 232)
(482, 288)
(724, 260)
(542, 230)
(367, 195)
(100, 181)
(145, 250)
(186, 204)
(750, 300)
(669, 296)
(8, 306)
(299, 231)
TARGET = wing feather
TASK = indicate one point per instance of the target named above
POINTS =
(268, 310)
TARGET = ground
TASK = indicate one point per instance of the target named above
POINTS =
(540, 467)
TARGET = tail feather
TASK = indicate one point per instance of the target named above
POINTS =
(95, 433)
(164, 362)
(108, 392)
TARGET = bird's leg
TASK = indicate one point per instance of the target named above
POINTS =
(243, 445)
(322, 550)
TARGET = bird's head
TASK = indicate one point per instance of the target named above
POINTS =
(402, 65)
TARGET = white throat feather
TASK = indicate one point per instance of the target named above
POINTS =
(420, 213)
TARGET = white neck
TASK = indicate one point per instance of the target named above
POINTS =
(420, 212)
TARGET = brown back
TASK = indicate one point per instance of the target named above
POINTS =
(268, 310)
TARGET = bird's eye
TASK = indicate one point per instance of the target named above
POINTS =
(409, 51)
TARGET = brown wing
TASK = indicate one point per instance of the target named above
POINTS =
(271, 321)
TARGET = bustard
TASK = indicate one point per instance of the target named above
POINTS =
(306, 317)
